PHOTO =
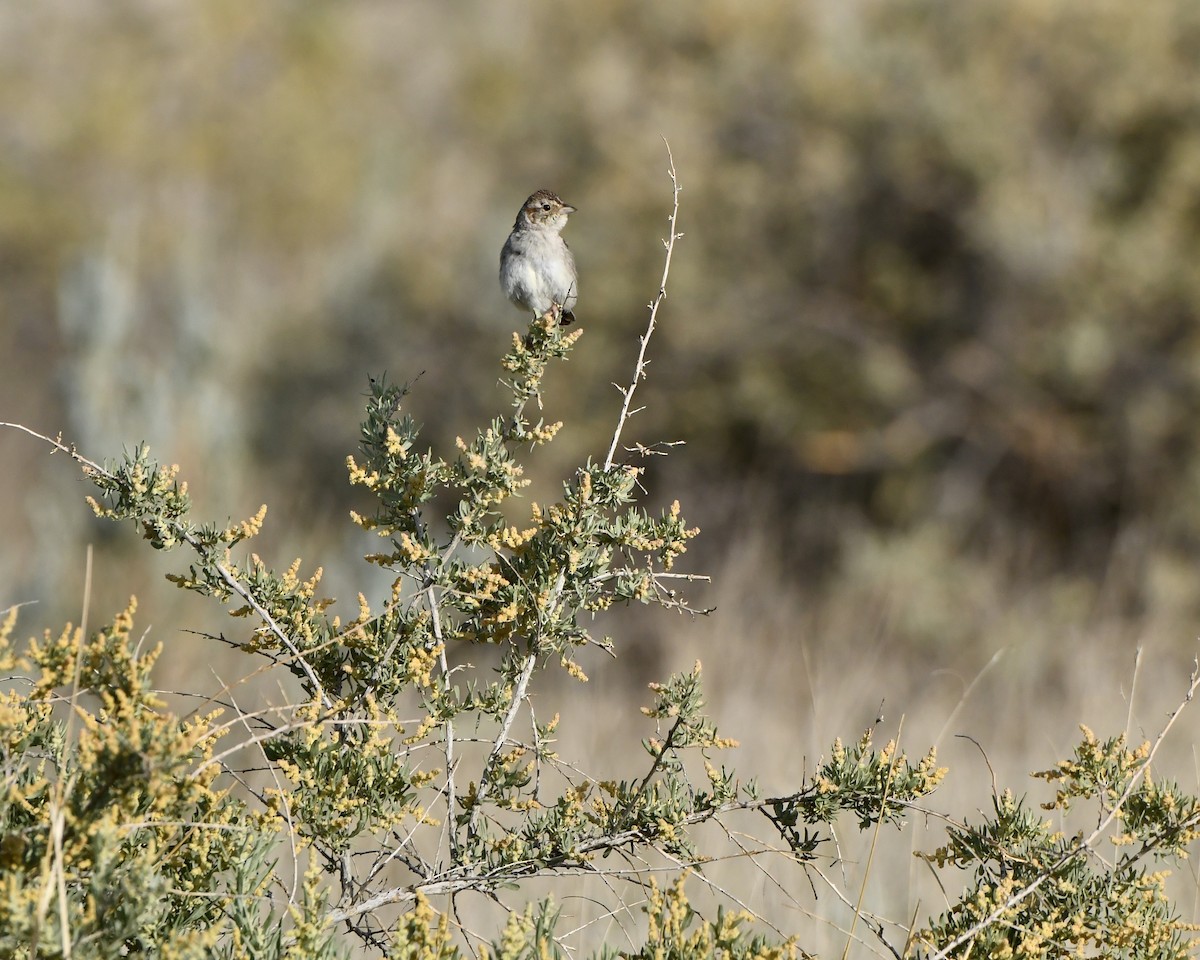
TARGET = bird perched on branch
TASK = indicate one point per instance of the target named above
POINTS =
(537, 271)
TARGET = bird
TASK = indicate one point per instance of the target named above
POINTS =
(537, 271)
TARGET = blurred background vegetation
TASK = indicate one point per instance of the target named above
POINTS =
(932, 336)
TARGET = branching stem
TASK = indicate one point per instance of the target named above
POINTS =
(232, 582)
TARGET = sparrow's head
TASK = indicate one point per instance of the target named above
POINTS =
(544, 209)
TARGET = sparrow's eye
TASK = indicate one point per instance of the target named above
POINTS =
(545, 206)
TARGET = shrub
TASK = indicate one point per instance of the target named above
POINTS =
(395, 773)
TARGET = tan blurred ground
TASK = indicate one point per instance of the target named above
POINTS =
(932, 335)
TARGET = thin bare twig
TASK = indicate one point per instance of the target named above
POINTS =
(639, 371)
(435, 613)
(518, 698)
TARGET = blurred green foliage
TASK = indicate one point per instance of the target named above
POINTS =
(940, 274)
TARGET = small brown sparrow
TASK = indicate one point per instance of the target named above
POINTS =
(537, 271)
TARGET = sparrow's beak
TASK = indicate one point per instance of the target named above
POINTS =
(567, 208)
